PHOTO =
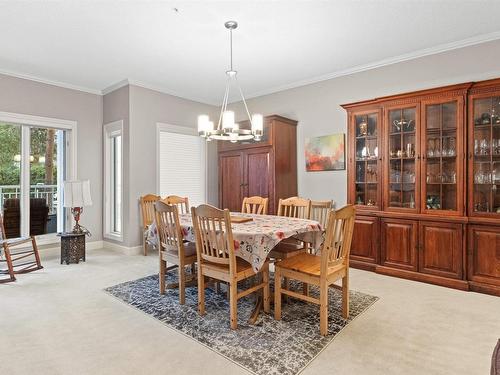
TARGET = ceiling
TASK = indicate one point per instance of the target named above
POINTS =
(182, 47)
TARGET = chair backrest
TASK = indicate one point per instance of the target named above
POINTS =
(168, 226)
(148, 208)
(320, 211)
(294, 207)
(214, 237)
(337, 245)
(182, 203)
(254, 205)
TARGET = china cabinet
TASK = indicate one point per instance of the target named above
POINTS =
(424, 174)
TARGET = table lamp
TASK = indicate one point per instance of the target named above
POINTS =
(76, 196)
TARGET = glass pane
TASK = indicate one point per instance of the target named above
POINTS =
(486, 167)
(366, 159)
(44, 180)
(441, 152)
(117, 183)
(402, 158)
(10, 179)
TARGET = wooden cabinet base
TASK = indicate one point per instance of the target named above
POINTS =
(494, 290)
(362, 265)
(417, 276)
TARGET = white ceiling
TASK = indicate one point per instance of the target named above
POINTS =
(92, 45)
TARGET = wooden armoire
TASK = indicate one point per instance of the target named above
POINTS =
(424, 174)
(267, 168)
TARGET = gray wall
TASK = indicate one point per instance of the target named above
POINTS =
(39, 99)
(317, 106)
(116, 107)
(147, 108)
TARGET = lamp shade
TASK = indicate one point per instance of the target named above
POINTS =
(77, 193)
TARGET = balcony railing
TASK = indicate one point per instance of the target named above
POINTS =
(48, 192)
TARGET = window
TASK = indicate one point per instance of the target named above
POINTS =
(113, 172)
(181, 158)
(34, 157)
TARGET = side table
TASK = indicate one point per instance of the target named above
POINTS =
(72, 247)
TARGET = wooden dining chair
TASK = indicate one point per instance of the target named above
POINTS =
(217, 260)
(321, 270)
(147, 203)
(11, 254)
(254, 205)
(294, 207)
(171, 247)
(320, 211)
(182, 203)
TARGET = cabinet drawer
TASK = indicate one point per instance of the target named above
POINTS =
(365, 240)
(440, 249)
(484, 254)
(399, 243)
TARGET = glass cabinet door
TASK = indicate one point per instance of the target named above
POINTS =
(401, 192)
(486, 156)
(367, 167)
(441, 167)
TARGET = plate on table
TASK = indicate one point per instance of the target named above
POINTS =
(240, 219)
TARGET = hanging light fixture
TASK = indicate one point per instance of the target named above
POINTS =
(227, 129)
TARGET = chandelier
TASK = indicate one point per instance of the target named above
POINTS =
(227, 129)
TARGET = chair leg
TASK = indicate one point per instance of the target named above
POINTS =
(277, 293)
(233, 303)
(201, 291)
(10, 266)
(345, 295)
(161, 275)
(305, 289)
(182, 284)
(323, 308)
(286, 282)
(265, 277)
(37, 255)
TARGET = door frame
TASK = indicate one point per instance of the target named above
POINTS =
(25, 121)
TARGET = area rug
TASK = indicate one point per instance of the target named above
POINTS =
(283, 347)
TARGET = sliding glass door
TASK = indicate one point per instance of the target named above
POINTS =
(32, 170)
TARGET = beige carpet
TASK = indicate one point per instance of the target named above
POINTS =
(59, 321)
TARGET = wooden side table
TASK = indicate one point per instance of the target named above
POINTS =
(72, 247)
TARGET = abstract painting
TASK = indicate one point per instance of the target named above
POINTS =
(326, 153)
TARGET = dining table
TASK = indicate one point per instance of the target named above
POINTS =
(254, 239)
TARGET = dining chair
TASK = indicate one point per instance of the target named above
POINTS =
(11, 255)
(320, 211)
(321, 270)
(294, 207)
(182, 203)
(254, 205)
(217, 259)
(147, 203)
(171, 247)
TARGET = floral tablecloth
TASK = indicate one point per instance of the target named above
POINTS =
(255, 239)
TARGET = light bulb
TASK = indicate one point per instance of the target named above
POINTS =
(203, 121)
(257, 125)
(228, 121)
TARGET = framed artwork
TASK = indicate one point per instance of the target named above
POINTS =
(326, 153)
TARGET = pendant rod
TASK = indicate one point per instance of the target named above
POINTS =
(244, 102)
(231, 47)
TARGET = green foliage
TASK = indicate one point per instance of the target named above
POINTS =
(10, 146)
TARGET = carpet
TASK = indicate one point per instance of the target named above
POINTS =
(283, 347)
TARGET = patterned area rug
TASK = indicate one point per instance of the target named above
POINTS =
(283, 347)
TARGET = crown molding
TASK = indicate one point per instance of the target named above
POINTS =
(484, 38)
(115, 86)
(50, 82)
(479, 39)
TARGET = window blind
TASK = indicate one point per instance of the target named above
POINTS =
(182, 166)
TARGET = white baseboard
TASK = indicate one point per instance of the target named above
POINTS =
(135, 250)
